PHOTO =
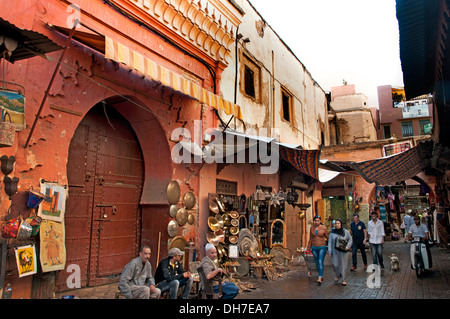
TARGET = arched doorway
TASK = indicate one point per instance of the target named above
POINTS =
(105, 172)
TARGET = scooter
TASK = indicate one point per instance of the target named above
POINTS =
(419, 256)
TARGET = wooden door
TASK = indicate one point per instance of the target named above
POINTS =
(294, 230)
(105, 176)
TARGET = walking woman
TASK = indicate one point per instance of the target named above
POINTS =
(318, 238)
(338, 246)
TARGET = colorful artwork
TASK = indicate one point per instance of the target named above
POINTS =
(26, 260)
(54, 204)
(13, 103)
(52, 249)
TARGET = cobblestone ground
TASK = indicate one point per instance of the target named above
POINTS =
(401, 284)
(295, 284)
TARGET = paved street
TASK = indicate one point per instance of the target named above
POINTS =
(295, 284)
(402, 284)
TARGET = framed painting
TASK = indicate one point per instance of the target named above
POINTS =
(54, 204)
(26, 260)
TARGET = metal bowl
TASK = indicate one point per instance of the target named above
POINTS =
(173, 192)
(172, 228)
(191, 219)
(182, 216)
(212, 239)
(213, 223)
(173, 210)
(189, 200)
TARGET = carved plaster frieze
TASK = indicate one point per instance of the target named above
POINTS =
(210, 25)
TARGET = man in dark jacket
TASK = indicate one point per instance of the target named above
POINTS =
(170, 275)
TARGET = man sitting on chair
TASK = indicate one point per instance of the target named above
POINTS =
(170, 275)
(229, 290)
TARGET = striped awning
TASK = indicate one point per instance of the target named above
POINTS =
(122, 54)
(392, 169)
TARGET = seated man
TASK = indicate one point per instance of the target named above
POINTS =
(421, 230)
(229, 290)
(170, 275)
(136, 281)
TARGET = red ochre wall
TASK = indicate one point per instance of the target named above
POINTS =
(85, 79)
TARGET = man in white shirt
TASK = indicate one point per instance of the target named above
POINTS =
(375, 233)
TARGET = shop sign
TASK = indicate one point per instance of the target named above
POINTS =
(416, 110)
(427, 128)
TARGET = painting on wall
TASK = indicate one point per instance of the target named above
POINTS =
(13, 103)
(54, 204)
(26, 260)
(52, 248)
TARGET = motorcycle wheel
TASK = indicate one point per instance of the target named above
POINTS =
(418, 264)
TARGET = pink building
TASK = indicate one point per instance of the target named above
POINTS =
(400, 118)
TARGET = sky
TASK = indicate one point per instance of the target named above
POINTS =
(352, 40)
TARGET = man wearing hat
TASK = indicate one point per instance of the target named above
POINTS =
(170, 275)
(229, 290)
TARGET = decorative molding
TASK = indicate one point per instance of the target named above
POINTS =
(207, 24)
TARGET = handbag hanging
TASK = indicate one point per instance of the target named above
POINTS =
(7, 131)
(25, 229)
(341, 244)
(35, 223)
(11, 227)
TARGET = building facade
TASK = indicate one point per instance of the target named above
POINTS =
(279, 99)
(403, 118)
(347, 108)
(133, 72)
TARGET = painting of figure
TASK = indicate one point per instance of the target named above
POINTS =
(52, 247)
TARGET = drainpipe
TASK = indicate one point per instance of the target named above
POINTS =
(51, 83)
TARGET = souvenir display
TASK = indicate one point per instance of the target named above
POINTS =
(243, 229)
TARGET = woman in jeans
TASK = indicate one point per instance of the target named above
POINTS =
(318, 238)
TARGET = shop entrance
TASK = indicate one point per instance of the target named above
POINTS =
(105, 172)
